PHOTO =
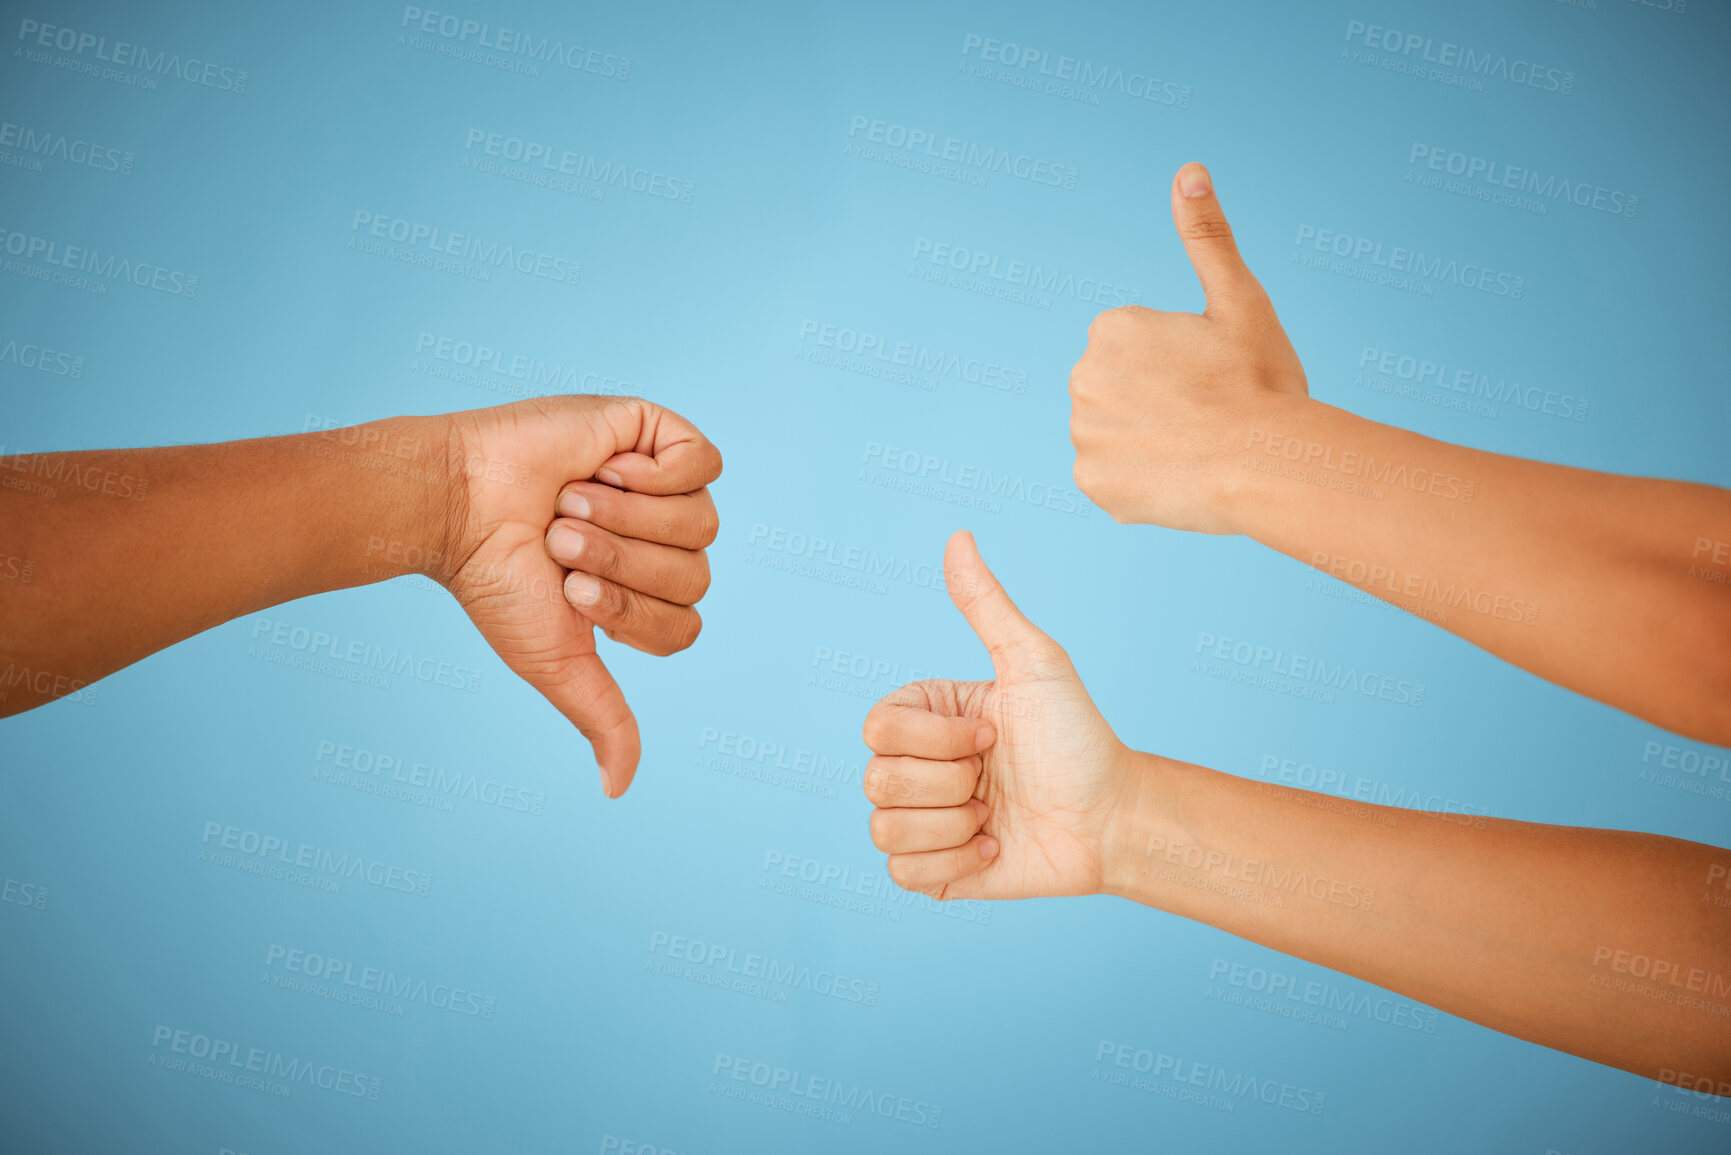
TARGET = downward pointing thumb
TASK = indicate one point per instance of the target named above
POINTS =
(1012, 640)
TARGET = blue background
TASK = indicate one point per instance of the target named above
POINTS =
(995, 1014)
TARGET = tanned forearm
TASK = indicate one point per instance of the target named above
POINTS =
(1598, 582)
(1608, 944)
(132, 550)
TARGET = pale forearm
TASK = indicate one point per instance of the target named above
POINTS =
(1548, 933)
(133, 550)
(1594, 581)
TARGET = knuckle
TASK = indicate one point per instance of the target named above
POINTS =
(601, 554)
(708, 525)
(1208, 228)
(873, 730)
(617, 605)
(897, 868)
(693, 580)
(1105, 323)
(880, 826)
(1083, 474)
(685, 630)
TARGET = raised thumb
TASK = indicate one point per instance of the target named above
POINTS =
(1011, 639)
(1227, 282)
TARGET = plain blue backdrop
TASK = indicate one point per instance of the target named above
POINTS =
(588, 1020)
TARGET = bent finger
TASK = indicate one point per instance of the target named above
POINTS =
(891, 780)
(667, 454)
(640, 621)
(900, 727)
(932, 869)
(685, 520)
(906, 831)
(680, 576)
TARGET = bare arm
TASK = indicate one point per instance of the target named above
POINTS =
(136, 549)
(1612, 586)
(1594, 581)
(1611, 945)
(1606, 944)
(545, 518)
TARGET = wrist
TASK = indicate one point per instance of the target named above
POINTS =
(1140, 815)
(1254, 462)
(394, 493)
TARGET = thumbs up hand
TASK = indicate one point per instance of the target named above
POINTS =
(1004, 789)
(1162, 403)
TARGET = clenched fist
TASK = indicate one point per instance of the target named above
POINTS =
(1163, 403)
(1004, 789)
(601, 521)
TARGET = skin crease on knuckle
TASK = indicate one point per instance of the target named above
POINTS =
(693, 583)
(880, 829)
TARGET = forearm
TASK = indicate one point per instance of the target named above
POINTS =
(132, 550)
(1594, 581)
(1606, 944)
